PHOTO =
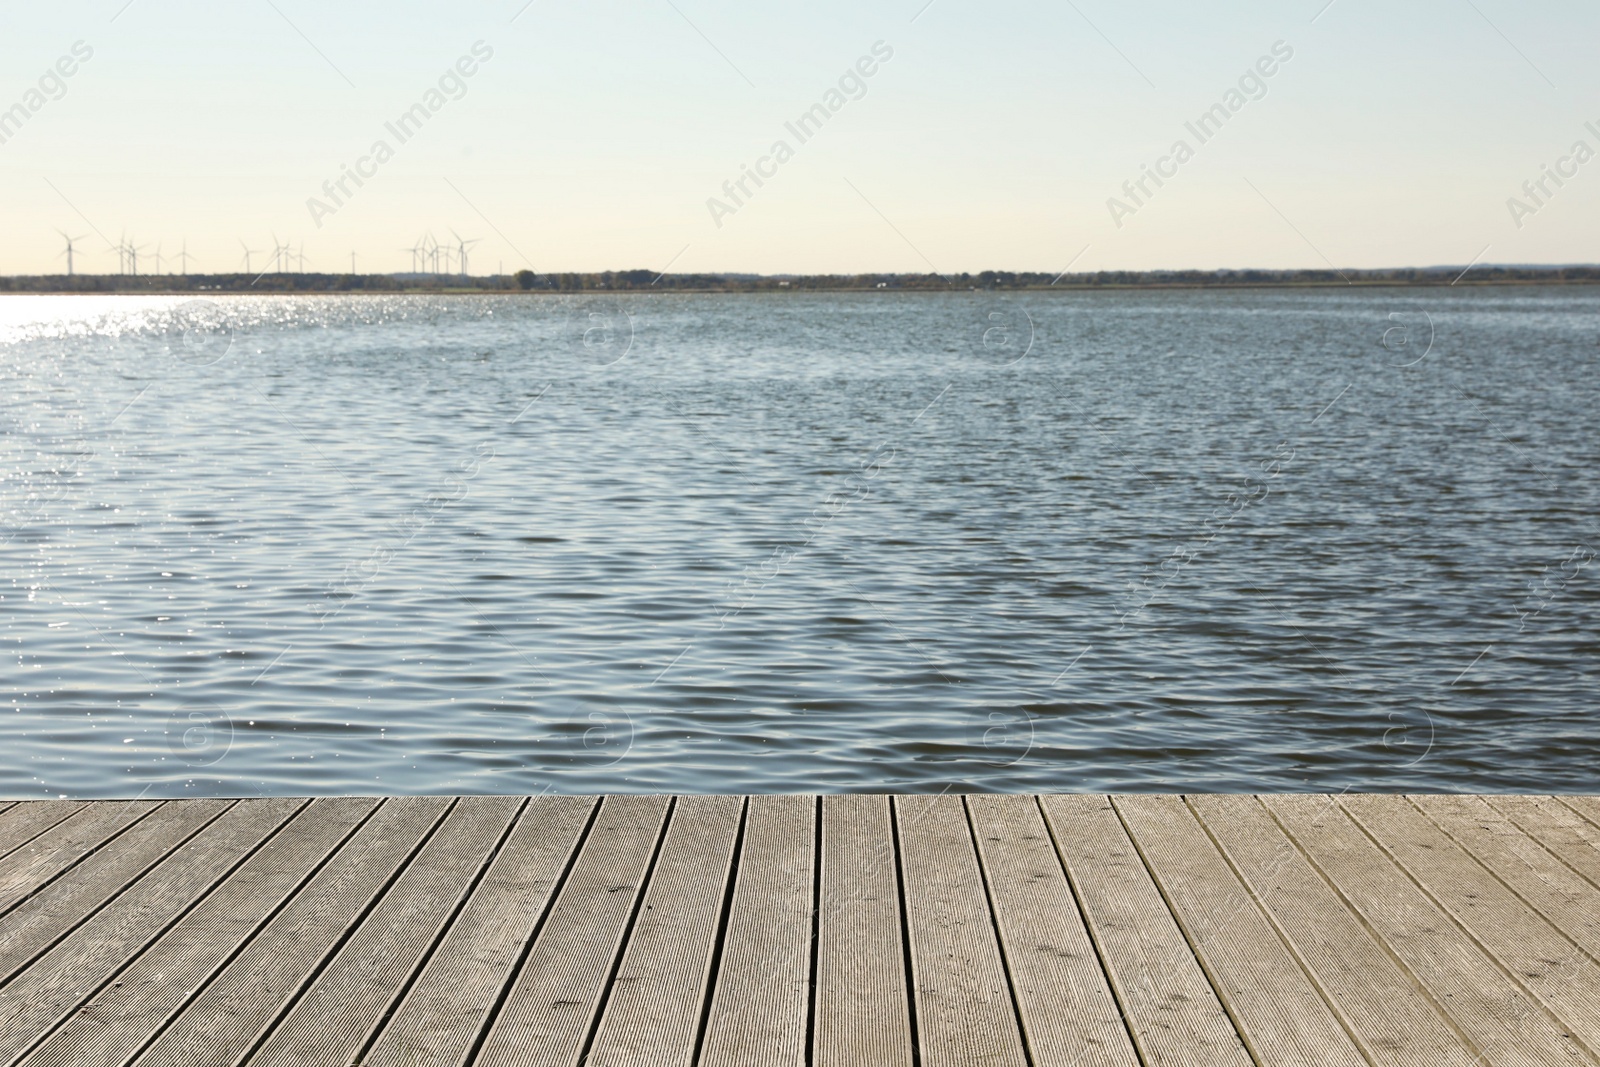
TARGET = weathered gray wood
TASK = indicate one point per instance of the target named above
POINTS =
(334, 1017)
(1568, 835)
(965, 1012)
(1069, 1014)
(652, 1017)
(1543, 882)
(49, 915)
(1391, 1015)
(1543, 961)
(863, 1008)
(449, 1004)
(761, 1001)
(1427, 931)
(227, 1017)
(112, 1026)
(38, 998)
(1495, 1014)
(1278, 1010)
(22, 822)
(1170, 1007)
(1587, 806)
(551, 1007)
(28, 869)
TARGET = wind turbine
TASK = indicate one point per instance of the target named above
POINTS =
(352, 264)
(248, 252)
(278, 250)
(462, 246)
(158, 256)
(184, 257)
(302, 257)
(133, 256)
(68, 252)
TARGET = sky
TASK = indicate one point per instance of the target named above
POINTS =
(600, 134)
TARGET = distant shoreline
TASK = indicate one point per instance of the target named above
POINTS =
(643, 281)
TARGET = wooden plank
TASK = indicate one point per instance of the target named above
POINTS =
(77, 967)
(333, 1019)
(113, 1025)
(449, 1003)
(762, 997)
(1169, 1004)
(49, 915)
(863, 1002)
(1543, 960)
(24, 821)
(1279, 1011)
(225, 1019)
(965, 1012)
(1587, 806)
(1392, 1017)
(550, 1010)
(1568, 835)
(1486, 1004)
(28, 869)
(1069, 1015)
(652, 1016)
(1569, 902)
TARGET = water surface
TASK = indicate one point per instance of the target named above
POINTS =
(1264, 540)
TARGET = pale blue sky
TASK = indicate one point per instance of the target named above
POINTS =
(992, 139)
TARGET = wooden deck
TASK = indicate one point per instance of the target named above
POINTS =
(631, 931)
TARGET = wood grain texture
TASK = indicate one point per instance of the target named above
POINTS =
(22, 822)
(1281, 1012)
(552, 1004)
(652, 1016)
(1488, 1006)
(1540, 880)
(29, 868)
(761, 1003)
(449, 1004)
(862, 1009)
(1174, 1014)
(780, 931)
(965, 1011)
(1068, 1012)
(118, 1021)
(42, 994)
(50, 914)
(1588, 807)
(334, 1017)
(227, 1018)
(1391, 1015)
(1542, 960)
(1555, 824)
